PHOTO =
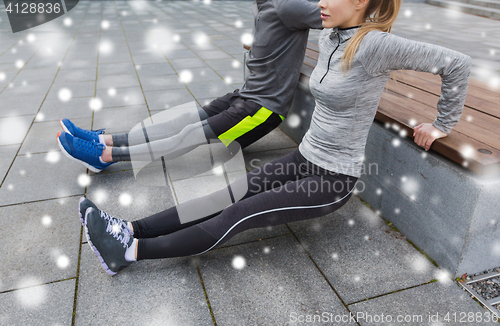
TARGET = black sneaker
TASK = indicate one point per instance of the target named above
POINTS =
(108, 240)
(85, 203)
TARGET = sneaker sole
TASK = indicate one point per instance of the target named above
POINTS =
(94, 249)
(64, 127)
(80, 210)
(88, 166)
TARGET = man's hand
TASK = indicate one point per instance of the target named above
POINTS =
(425, 134)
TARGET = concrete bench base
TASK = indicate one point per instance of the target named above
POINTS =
(445, 210)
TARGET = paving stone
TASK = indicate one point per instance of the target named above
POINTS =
(232, 76)
(163, 292)
(149, 58)
(77, 89)
(277, 283)
(121, 195)
(40, 241)
(121, 97)
(79, 64)
(121, 119)
(7, 155)
(115, 56)
(220, 64)
(56, 109)
(76, 75)
(155, 69)
(187, 63)
(214, 54)
(14, 129)
(39, 172)
(117, 81)
(360, 254)
(177, 54)
(111, 69)
(155, 83)
(212, 89)
(32, 75)
(12, 106)
(50, 304)
(161, 100)
(420, 306)
(42, 136)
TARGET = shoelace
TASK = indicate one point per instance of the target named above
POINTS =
(115, 220)
(119, 232)
(92, 132)
(90, 147)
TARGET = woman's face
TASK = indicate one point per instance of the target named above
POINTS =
(340, 13)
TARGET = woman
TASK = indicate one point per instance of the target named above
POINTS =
(356, 58)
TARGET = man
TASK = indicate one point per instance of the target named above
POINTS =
(281, 30)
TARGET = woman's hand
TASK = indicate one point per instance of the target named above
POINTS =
(425, 134)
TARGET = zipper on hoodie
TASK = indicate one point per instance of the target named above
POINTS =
(336, 32)
(331, 55)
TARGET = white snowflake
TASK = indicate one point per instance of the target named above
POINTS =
(396, 142)
(112, 92)
(238, 24)
(106, 47)
(62, 261)
(247, 39)
(31, 37)
(238, 262)
(100, 196)
(2, 76)
(32, 294)
(83, 180)
(293, 120)
(428, 26)
(125, 199)
(19, 63)
(186, 76)
(408, 13)
(46, 220)
(53, 157)
(443, 276)
(378, 191)
(266, 250)
(95, 104)
(68, 21)
(64, 94)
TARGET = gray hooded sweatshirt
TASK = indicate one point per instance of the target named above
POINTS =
(346, 104)
(280, 39)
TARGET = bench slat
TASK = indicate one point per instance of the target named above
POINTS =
(392, 113)
(473, 101)
(485, 91)
(483, 123)
(478, 133)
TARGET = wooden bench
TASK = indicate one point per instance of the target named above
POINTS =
(412, 97)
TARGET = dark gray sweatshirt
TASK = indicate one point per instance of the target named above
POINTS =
(280, 39)
(346, 105)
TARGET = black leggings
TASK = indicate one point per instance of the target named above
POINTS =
(287, 190)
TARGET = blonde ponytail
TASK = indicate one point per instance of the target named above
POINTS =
(380, 15)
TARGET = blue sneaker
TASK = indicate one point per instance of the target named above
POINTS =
(85, 203)
(70, 128)
(108, 240)
(84, 151)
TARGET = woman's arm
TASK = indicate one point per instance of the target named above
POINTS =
(384, 52)
(299, 14)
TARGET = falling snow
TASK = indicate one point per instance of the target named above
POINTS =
(125, 199)
(64, 94)
(238, 262)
